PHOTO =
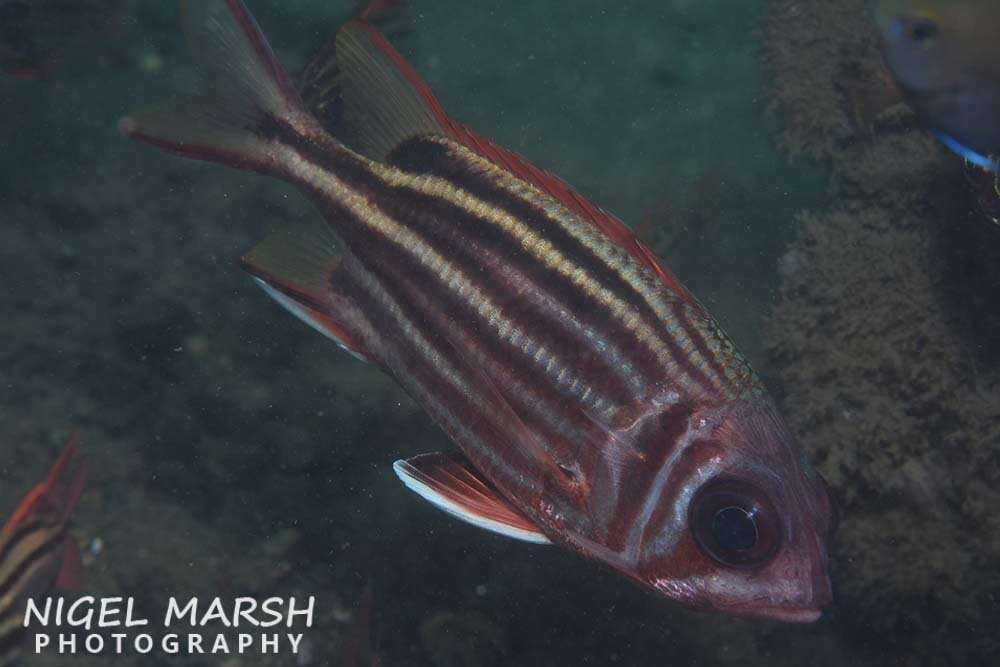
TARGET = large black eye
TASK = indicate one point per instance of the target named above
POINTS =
(735, 529)
(735, 524)
(922, 31)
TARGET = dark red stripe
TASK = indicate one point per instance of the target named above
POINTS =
(41, 551)
(10, 541)
(429, 156)
(346, 167)
(441, 225)
(411, 284)
(480, 248)
(416, 370)
(407, 210)
(684, 321)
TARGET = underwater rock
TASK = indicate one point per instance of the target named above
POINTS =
(883, 345)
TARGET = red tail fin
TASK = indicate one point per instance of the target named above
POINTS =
(55, 494)
(246, 92)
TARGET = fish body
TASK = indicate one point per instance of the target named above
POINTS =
(945, 56)
(594, 402)
(37, 552)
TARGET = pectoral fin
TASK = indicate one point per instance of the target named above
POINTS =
(450, 483)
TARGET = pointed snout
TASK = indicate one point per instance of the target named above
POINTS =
(802, 588)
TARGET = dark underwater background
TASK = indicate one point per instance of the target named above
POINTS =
(233, 451)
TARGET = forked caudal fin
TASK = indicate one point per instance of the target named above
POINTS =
(246, 93)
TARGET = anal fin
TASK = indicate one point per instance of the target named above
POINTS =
(298, 270)
(450, 483)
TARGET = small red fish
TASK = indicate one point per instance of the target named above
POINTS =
(594, 401)
(37, 552)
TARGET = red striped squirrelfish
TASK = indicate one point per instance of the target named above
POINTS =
(594, 402)
(37, 553)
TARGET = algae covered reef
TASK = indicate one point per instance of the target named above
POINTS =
(884, 344)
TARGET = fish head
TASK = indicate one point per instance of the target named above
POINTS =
(745, 522)
(945, 56)
(924, 42)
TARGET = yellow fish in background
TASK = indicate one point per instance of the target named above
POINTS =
(945, 56)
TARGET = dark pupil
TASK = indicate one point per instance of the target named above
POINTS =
(734, 529)
(922, 31)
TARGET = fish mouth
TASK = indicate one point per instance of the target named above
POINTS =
(783, 614)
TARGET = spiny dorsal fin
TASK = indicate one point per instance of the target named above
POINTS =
(319, 80)
(449, 482)
(385, 102)
(319, 86)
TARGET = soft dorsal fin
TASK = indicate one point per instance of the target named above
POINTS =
(385, 102)
(450, 483)
(298, 271)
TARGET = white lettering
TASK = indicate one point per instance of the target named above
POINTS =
(308, 611)
(130, 620)
(246, 614)
(109, 609)
(94, 644)
(173, 611)
(67, 643)
(277, 616)
(143, 643)
(220, 645)
(87, 619)
(215, 612)
(32, 610)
